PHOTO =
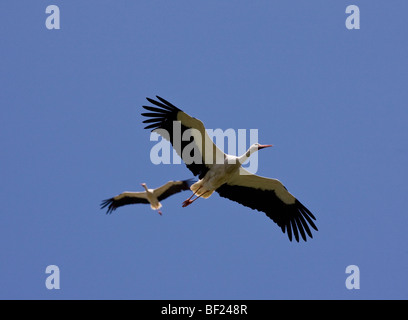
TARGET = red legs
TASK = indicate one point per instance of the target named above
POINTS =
(192, 195)
(189, 201)
(159, 212)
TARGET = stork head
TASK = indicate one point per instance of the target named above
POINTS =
(256, 147)
(144, 185)
(253, 148)
(262, 146)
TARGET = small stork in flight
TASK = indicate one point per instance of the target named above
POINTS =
(224, 174)
(152, 196)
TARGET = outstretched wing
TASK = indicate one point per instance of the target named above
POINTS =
(183, 131)
(171, 188)
(270, 196)
(123, 199)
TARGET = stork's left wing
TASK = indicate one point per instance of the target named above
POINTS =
(124, 199)
(186, 134)
(171, 188)
(270, 196)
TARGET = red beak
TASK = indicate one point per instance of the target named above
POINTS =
(261, 146)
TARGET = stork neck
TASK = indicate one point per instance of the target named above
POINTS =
(245, 156)
(144, 186)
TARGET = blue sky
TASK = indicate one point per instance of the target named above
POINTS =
(332, 101)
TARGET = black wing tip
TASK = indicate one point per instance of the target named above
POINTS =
(298, 224)
(151, 100)
(163, 103)
(167, 103)
(306, 210)
(109, 203)
(163, 112)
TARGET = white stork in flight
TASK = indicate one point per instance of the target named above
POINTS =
(227, 177)
(152, 196)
